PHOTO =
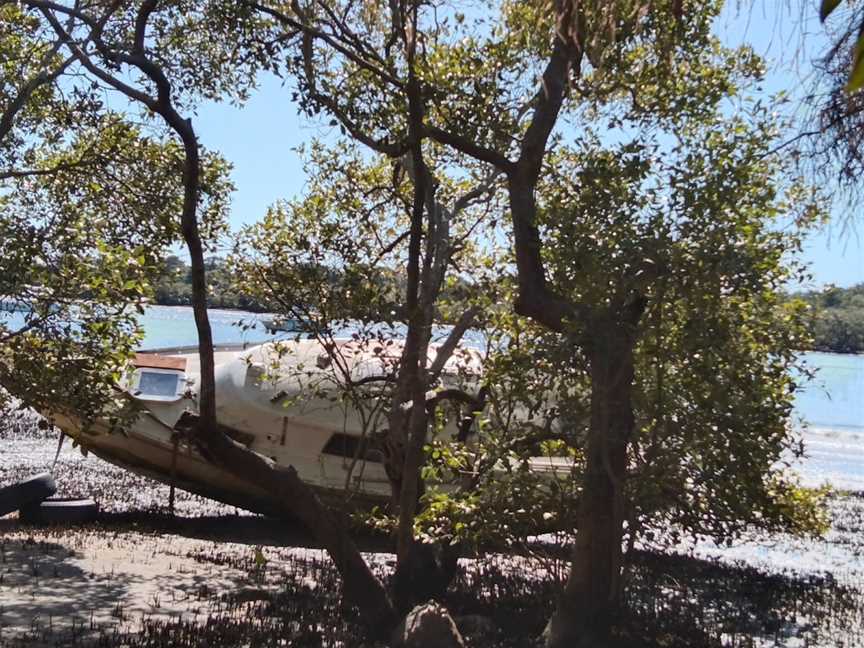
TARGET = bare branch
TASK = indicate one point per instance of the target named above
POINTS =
(391, 246)
(44, 77)
(485, 186)
(445, 351)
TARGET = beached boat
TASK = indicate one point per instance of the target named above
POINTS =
(279, 399)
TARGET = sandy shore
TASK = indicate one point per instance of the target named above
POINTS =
(67, 583)
(136, 563)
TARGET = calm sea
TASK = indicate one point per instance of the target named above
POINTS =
(167, 326)
(832, 405)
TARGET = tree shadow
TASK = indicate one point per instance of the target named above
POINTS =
(68, 585)
(251, 530)
(706, 602)
(44, 592)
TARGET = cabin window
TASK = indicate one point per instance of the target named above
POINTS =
(151, 384)
(348, 446)
(158, 384)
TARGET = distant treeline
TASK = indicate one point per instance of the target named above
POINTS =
(175, 286)
(836, 321)
(837, 318)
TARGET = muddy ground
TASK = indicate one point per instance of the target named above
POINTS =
(214, 576)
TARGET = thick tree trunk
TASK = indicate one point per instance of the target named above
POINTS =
(588, 606)
(362, 588)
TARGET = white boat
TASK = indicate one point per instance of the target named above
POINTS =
(279, 399)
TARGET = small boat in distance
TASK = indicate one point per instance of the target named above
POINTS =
(276, 324)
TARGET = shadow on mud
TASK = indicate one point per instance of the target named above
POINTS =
(683, 601)
(672, 601)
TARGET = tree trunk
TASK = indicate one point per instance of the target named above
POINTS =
(362, 588)
(588, 606)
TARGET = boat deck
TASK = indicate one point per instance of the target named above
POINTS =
(221, 353)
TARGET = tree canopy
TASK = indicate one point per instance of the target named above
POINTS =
(588, 181)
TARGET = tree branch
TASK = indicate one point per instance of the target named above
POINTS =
(88, 64)
(391, 150)
(465, 200)
(546, 109)
(141, 19)
(317, 33)
(7, 119)
(63, 166)
(471, 148)
(445, 351)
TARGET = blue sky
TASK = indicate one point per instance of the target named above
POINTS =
(789, 36)
(259, 138)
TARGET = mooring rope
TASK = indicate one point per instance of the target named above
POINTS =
(57, 454)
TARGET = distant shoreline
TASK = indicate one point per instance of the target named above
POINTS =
(262, 311)
(253, 310)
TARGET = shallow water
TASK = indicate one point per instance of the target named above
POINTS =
(835, 456)
(166, 326)
(835, 397)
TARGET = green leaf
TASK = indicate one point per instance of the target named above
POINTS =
(827, 7)
(856, 77)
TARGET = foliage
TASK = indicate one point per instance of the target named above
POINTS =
(644, 241)
(856, 73)
(692, 226)
(828, 145)
(336, 261)
(685, 212)
(173, 286)
(333, 255)
(835, 318)
(88, 205)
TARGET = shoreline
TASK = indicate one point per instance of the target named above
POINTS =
(197, 573)
(237, 309)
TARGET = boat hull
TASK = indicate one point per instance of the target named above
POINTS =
(151, 455)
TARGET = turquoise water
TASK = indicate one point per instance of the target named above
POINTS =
(832, 406)
(835, 398)
(166, 326)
